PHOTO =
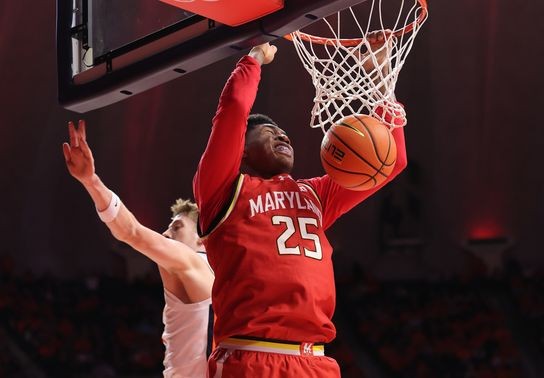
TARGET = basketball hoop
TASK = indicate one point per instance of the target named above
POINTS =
(352, 75)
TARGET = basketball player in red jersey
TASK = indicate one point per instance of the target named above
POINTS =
(274, 293)
(186, 276)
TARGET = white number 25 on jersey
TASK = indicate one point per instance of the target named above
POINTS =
(291, 229)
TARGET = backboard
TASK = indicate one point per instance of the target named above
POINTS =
(108, 50)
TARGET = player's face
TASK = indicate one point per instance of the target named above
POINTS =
(183, 229)
(268, 151)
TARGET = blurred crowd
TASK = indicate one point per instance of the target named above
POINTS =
(440, 330)
(97, 326)
(107, 327)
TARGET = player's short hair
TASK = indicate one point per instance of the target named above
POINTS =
(185, 207)
(259, 119)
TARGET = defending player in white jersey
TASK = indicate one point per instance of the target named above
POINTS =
(186, 275)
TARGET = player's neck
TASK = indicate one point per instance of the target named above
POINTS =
(245, 169)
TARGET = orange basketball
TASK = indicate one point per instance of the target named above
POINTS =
(358, 152)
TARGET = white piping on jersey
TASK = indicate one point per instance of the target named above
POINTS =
(231, 205)
(312, 190)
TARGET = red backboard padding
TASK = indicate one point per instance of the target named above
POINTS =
(229, 12)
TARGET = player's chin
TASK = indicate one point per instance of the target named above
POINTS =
(284, 163)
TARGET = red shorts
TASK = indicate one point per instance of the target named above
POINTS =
(229, 363)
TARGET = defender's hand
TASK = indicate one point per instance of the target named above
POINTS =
(264, 53)
(77, 154)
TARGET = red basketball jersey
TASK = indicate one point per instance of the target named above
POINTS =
(266, 243)
(274, 275)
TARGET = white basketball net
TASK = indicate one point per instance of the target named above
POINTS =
(353, 77)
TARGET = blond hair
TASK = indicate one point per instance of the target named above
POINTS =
(185, 207)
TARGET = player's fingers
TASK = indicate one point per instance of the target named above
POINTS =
(66, 152)
(72, 133)
(378, 37)
(388, 37)
(86, 149)
(82, 130)
(271, 53)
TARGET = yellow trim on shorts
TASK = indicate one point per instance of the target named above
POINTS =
(270, 346)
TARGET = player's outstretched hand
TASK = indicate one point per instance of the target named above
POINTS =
(264, 53)
(77, 154)
(378, 37)
(381, 44)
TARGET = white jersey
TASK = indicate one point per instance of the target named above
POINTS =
(185, 337)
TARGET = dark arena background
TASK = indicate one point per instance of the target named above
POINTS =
(438, 275)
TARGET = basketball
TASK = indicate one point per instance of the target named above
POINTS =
(358, 152)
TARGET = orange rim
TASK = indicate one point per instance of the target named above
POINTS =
(350, 42)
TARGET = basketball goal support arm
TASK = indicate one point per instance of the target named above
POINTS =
(110, 82)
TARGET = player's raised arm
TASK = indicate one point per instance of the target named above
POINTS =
(220, 163)
(176, 257)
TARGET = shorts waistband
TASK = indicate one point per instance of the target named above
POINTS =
(273, 346)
